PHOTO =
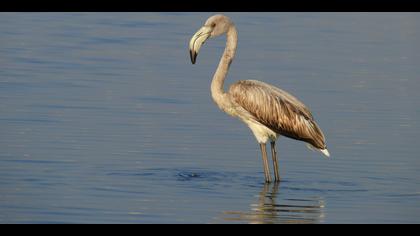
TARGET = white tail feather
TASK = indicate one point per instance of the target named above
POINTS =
(323, 151)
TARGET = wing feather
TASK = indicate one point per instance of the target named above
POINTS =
(278, 110)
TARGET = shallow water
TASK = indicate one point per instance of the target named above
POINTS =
(105, 120)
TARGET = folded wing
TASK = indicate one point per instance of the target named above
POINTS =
(278, 110)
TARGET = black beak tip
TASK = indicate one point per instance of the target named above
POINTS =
(193, 56)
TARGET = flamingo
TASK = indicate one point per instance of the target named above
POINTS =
(267, 110)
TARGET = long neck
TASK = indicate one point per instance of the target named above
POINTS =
(221, 72)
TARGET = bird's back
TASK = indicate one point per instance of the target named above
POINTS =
(278, 110)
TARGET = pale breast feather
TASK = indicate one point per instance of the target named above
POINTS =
(278, 110)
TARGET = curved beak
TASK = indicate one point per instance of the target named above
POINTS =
(197, 40)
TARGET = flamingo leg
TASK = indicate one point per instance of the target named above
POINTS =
(265, 162)
(275, 162)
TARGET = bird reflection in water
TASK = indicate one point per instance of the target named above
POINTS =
(269, 210)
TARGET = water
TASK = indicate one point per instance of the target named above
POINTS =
(105, 120)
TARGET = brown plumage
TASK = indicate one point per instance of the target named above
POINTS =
(278, 110)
